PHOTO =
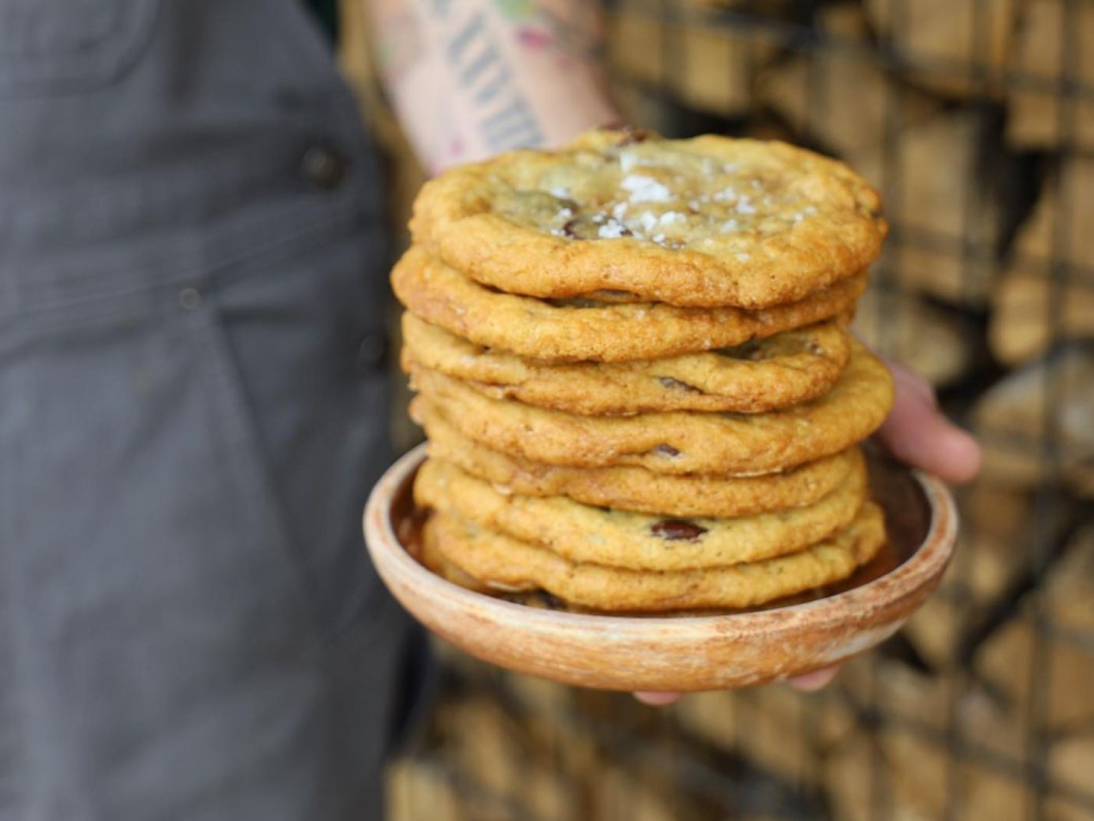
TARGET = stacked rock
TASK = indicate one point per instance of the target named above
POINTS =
(635, 373)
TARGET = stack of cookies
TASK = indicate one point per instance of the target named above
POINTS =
(635, 372)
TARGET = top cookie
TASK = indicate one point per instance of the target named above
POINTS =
(710, 221)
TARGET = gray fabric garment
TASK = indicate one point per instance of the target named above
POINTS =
(192, 411)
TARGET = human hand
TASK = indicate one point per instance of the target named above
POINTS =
(807, 683)
(917, 433)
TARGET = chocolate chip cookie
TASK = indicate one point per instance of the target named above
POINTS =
(786, 369)
(636, 488)
(637, 541)
(680, 442)
(595, 329)
(705, 222)
(508, 564)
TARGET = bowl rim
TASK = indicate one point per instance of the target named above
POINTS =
(922, 568)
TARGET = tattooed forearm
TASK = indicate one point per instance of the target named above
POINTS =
(474, 77)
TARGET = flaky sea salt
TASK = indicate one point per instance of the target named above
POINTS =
(670, 218)
(730, 225)
(645, 189)
(745, 206)
(612, 230)
(560, 192)
(743, 257)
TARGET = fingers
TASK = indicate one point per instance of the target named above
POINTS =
(656, 699)
(808, 683)
(917, 433)
(817, 680)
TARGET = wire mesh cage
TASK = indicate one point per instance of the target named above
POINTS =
(975, 119)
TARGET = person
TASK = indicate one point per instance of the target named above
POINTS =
(193, 368)
(469, 79)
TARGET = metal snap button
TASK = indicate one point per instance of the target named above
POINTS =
(189, 299)
(324, 166)
(372, 352)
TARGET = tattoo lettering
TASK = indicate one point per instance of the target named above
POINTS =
(514, 125)
(506, 118)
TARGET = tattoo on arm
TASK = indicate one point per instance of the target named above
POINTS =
(573, 28)
(475, 77)
(505, 115)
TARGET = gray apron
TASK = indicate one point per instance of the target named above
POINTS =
(192, 411)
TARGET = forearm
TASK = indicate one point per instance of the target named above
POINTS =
(470, 78)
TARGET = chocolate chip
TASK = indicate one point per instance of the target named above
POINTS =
(677, 385)
(677, 530)
(550, 601)
(666, 450)
(750, 351)
(590, 226)
(612, 295)
(570, 228)
(632, 135)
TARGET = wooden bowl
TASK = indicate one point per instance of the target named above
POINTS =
(683, 652)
